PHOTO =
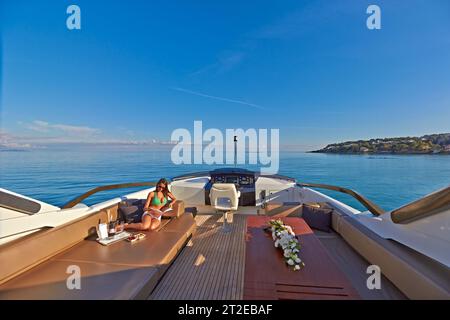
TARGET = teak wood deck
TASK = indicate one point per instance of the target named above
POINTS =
(210, 267)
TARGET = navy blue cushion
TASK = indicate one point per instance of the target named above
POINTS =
(317, 218)
(131, 213)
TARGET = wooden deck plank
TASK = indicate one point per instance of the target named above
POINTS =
(195, 261)
(213, 275)
(215, 255)
(224, 264)
(212, 253)
(186, 281)
(229, 273)
(232, 271)
(210, 267)
(237, 246)
(170, 287)
(176, 280)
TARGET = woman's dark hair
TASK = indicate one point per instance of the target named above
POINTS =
(163, 181)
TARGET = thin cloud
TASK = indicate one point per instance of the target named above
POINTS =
(42, 126)
(224, 63)
(218, 98)
(292, 25)
(317, 127)
(8, 141)
(304, 21)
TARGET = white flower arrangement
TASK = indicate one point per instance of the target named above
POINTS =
(284, 238)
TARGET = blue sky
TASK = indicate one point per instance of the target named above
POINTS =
(137, 70)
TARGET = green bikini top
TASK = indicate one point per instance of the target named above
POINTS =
(157, 202)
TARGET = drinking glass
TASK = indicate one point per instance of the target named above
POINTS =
(120, 227)
(112, 229)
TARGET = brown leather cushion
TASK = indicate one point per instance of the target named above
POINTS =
(21, 255)
(156, 249)
(177, 210)
(184, 223)
(120, 271)
(317, 218)
(99, 281)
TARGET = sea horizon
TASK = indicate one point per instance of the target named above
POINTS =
(57, 176)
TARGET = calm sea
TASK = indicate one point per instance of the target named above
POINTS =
(58, 175)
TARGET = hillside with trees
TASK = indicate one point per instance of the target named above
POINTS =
(427, 144)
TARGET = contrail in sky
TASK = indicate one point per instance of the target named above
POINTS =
(218, 98)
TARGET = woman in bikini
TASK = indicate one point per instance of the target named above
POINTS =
(157, 202)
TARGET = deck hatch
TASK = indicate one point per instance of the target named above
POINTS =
(13, 202)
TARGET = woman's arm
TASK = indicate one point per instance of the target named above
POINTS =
(172, 198)
(169, 205)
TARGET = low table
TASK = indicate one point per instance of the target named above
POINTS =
(268, 277)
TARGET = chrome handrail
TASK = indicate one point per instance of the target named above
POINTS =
(423, 207)
(78, 199)
(372, 207)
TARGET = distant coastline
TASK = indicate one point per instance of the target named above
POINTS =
(12, 150)
(427, 144)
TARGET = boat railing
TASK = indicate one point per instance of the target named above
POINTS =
(372, 207)
(80, 198)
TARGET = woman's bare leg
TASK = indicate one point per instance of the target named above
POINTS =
(155, 224)
(144, 225)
